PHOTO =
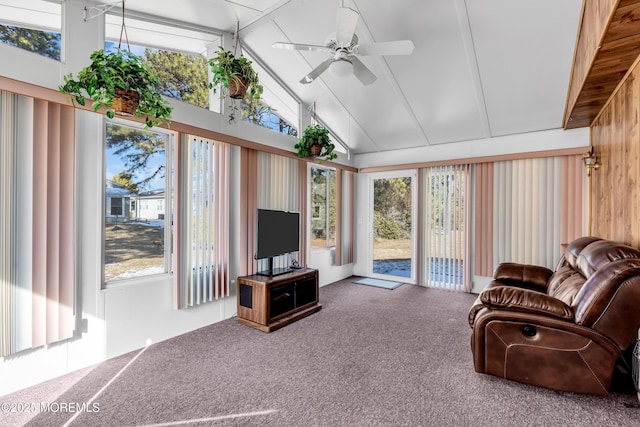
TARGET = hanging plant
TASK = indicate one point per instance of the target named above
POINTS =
(121, 83)
(315, 142)
(236, 78)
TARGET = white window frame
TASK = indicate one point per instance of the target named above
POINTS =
(168, 201)
(413, 174)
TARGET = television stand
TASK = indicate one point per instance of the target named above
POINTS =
(268, 303)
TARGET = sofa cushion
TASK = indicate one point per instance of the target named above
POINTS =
(600, 253)
(565, 284)
(525, 300)
(523, 275)
(573, 251)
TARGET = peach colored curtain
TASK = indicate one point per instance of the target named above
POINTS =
(339, 218)
(302, 208)
(248, 207)
(344, 216)
(43, 134)
(571, 197)
(53, 219)
(483, 265)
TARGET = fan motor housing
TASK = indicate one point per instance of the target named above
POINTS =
(333, 44)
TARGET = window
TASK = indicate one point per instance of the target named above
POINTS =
(116, 206)
(323, 207)
(32, 25)
(278, 110)
(136, 242)
(393, 236)
(178, 56)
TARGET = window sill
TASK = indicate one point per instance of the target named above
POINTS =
(137, 281)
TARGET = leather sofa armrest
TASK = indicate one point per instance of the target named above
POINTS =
(523, 275)
(525, 300)
(475, 308)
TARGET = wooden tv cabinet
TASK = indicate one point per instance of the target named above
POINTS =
(271, 302)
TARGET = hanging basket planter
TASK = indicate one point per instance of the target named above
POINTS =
(315, 150)
(99, 81)
(238, 87)
(235, 78)
(125, 102)
(315, 142)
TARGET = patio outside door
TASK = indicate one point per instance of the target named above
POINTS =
(392, 237)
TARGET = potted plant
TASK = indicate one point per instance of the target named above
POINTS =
(315, 142)
(121, 83)
(235, 77)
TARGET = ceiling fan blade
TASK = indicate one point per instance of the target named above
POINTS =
(299, 46)
(316, 71)
(346, 25)
(400, 47)
(362, 72)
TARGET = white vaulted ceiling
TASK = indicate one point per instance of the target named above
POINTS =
(480, 68)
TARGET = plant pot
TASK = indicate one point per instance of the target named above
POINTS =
(315, 150)
(237, 87)
(125, 102)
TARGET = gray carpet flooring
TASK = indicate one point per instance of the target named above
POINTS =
(370, 357)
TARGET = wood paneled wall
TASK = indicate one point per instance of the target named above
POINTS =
(615, 135)
(595, 17)
(607, 46)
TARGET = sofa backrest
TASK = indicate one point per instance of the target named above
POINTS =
(573, 251)
(566, 281)
(609, 298)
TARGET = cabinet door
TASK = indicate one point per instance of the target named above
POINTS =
(281, 300)
(306, 291)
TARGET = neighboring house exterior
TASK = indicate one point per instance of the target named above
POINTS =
(149, 206)
(117, 203)
(123, 205)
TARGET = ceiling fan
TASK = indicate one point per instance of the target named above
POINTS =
(345, 49)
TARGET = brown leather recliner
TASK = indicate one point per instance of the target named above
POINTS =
(563, 330)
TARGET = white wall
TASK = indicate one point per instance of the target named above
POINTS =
(323, 261)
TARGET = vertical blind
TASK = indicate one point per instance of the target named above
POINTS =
(483, 260)
(445, 218)
(345, 227)
(302, 207)
(248, 206)
(37, 271)
(203, 222)
(270, 181)
(527, 210)
(278, 190)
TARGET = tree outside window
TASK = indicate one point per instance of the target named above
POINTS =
(323, 208)
(45, 43)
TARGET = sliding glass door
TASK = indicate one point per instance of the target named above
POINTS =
(393, 233)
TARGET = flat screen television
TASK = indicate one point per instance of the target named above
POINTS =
(278, 234)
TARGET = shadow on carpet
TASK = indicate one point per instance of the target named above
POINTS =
(378, 283)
